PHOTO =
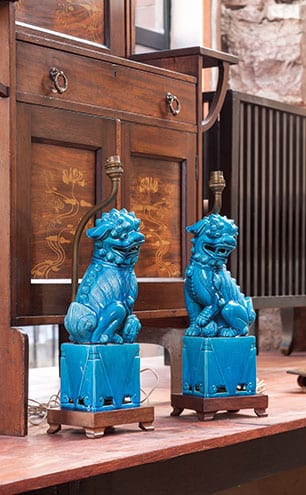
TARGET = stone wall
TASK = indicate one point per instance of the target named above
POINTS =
(269, 37)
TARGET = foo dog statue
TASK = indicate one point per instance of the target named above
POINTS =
(215, 305)
(102, 310)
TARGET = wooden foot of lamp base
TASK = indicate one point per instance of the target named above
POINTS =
(206, 408)
(99, 423)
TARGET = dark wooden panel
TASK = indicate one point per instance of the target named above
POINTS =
(160, 186)
(49, 302)
(58, 177)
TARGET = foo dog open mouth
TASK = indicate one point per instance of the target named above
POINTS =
(220, 251)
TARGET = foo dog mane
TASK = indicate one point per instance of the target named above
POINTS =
(213, 235)
(113, 234)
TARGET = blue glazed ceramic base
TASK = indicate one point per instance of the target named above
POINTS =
(219, 367)
(97, 377)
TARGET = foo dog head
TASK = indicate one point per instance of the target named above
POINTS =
(117, 237)
(215, 237)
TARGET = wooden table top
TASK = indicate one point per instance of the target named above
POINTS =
(41, 460)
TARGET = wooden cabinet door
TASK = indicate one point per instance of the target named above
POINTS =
(59, 174)
(160, 186)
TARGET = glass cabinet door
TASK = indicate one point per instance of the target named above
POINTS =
(101, 23)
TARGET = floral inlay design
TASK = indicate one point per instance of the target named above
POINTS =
(65, 213)
(154, 201)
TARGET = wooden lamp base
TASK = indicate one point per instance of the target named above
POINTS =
(98, 423)
(207, 407)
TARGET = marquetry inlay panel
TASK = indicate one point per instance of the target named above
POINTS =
(155, 196)
(62, 190)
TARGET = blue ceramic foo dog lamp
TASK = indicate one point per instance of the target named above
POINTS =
(100, 367)
(219, 357)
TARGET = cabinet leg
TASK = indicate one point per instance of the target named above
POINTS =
(260, 412)
(205, 416)
(146, 425)
(53, 428)
(176, 411)
(94, 432)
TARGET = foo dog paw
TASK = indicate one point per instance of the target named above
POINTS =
(129, 302)
(193, 331)
(210, 330)
(250, 310)
(205, 317)
(131, 329)
(80, 321)
(244, 331)
(111, 339)
(117, 339)
(227, 332)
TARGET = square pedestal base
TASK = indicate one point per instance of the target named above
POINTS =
(219, 366)
(206, 408)
(100, 377)
(96, 424)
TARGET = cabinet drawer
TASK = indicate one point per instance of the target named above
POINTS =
(127, 87)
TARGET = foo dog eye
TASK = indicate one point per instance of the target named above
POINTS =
(114, 234)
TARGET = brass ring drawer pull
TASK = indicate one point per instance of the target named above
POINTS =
(174, 103)
(59, 79)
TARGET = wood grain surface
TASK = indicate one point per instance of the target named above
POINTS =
(42, 460)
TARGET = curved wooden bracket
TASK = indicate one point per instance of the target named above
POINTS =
(218, 98)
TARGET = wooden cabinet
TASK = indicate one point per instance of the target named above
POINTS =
(57, 131)
(55, 148)
(111, 107)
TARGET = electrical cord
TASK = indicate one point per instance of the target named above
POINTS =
(147, 395)
(37, 411)
(260, 386)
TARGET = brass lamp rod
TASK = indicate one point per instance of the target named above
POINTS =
(216, 185)
(114, 170)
